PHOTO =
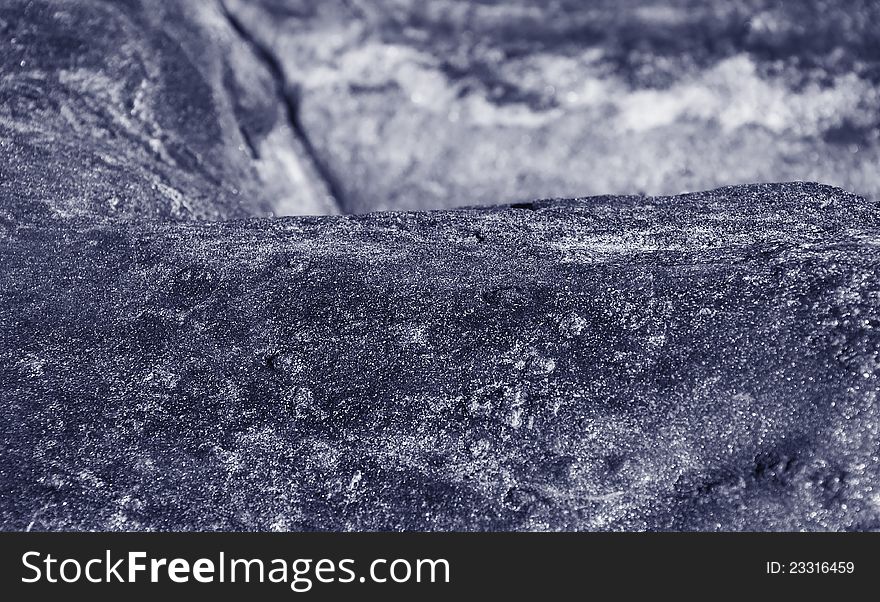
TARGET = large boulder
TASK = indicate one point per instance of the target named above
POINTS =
(707, 361)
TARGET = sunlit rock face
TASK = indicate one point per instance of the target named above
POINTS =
(707, 361)
(142, 109)
(414, 105)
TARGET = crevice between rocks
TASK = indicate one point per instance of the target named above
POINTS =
(288, 95)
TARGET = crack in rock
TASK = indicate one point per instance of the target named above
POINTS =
(288, 97)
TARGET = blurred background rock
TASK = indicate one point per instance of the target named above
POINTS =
(414, 105)
(232, 108)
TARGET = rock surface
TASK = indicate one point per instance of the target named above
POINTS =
(417, 105)
(143, 109)
(707, 361)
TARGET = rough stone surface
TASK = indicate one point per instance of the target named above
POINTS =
(146, 108)
(415, 105)
(707, 361)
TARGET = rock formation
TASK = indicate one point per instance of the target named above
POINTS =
(707, 361)
(174, 357)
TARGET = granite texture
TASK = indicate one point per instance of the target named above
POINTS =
(707, 361)
(174, 358)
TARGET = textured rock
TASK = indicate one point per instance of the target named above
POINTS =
(696, 362)
(414, 105)
(143, 108)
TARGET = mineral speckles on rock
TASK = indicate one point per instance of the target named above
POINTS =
(696, 362)
(706, 361)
